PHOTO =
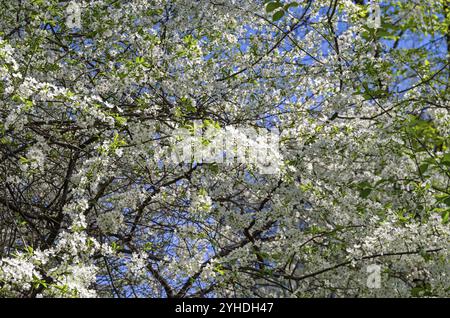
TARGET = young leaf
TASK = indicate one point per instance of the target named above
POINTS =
(278, 15)
(271, 6)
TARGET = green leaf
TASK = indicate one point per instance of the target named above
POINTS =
(291, 5)
(421, 291)
(29, 250)
(364, 188)
(423, 168)
(444, 198)
(278, 15)
(115, 246)
(446, 159)
(364, 193)
(271, 6)
(218, 268)
(23, 160)
(148, 246)
(445, 216)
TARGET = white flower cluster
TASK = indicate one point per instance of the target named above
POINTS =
(111, 222)
(67, 267)
(98, 137)
(17, 273)
(136, 265)
(229, 146)
(6, 54)
(200, 203)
